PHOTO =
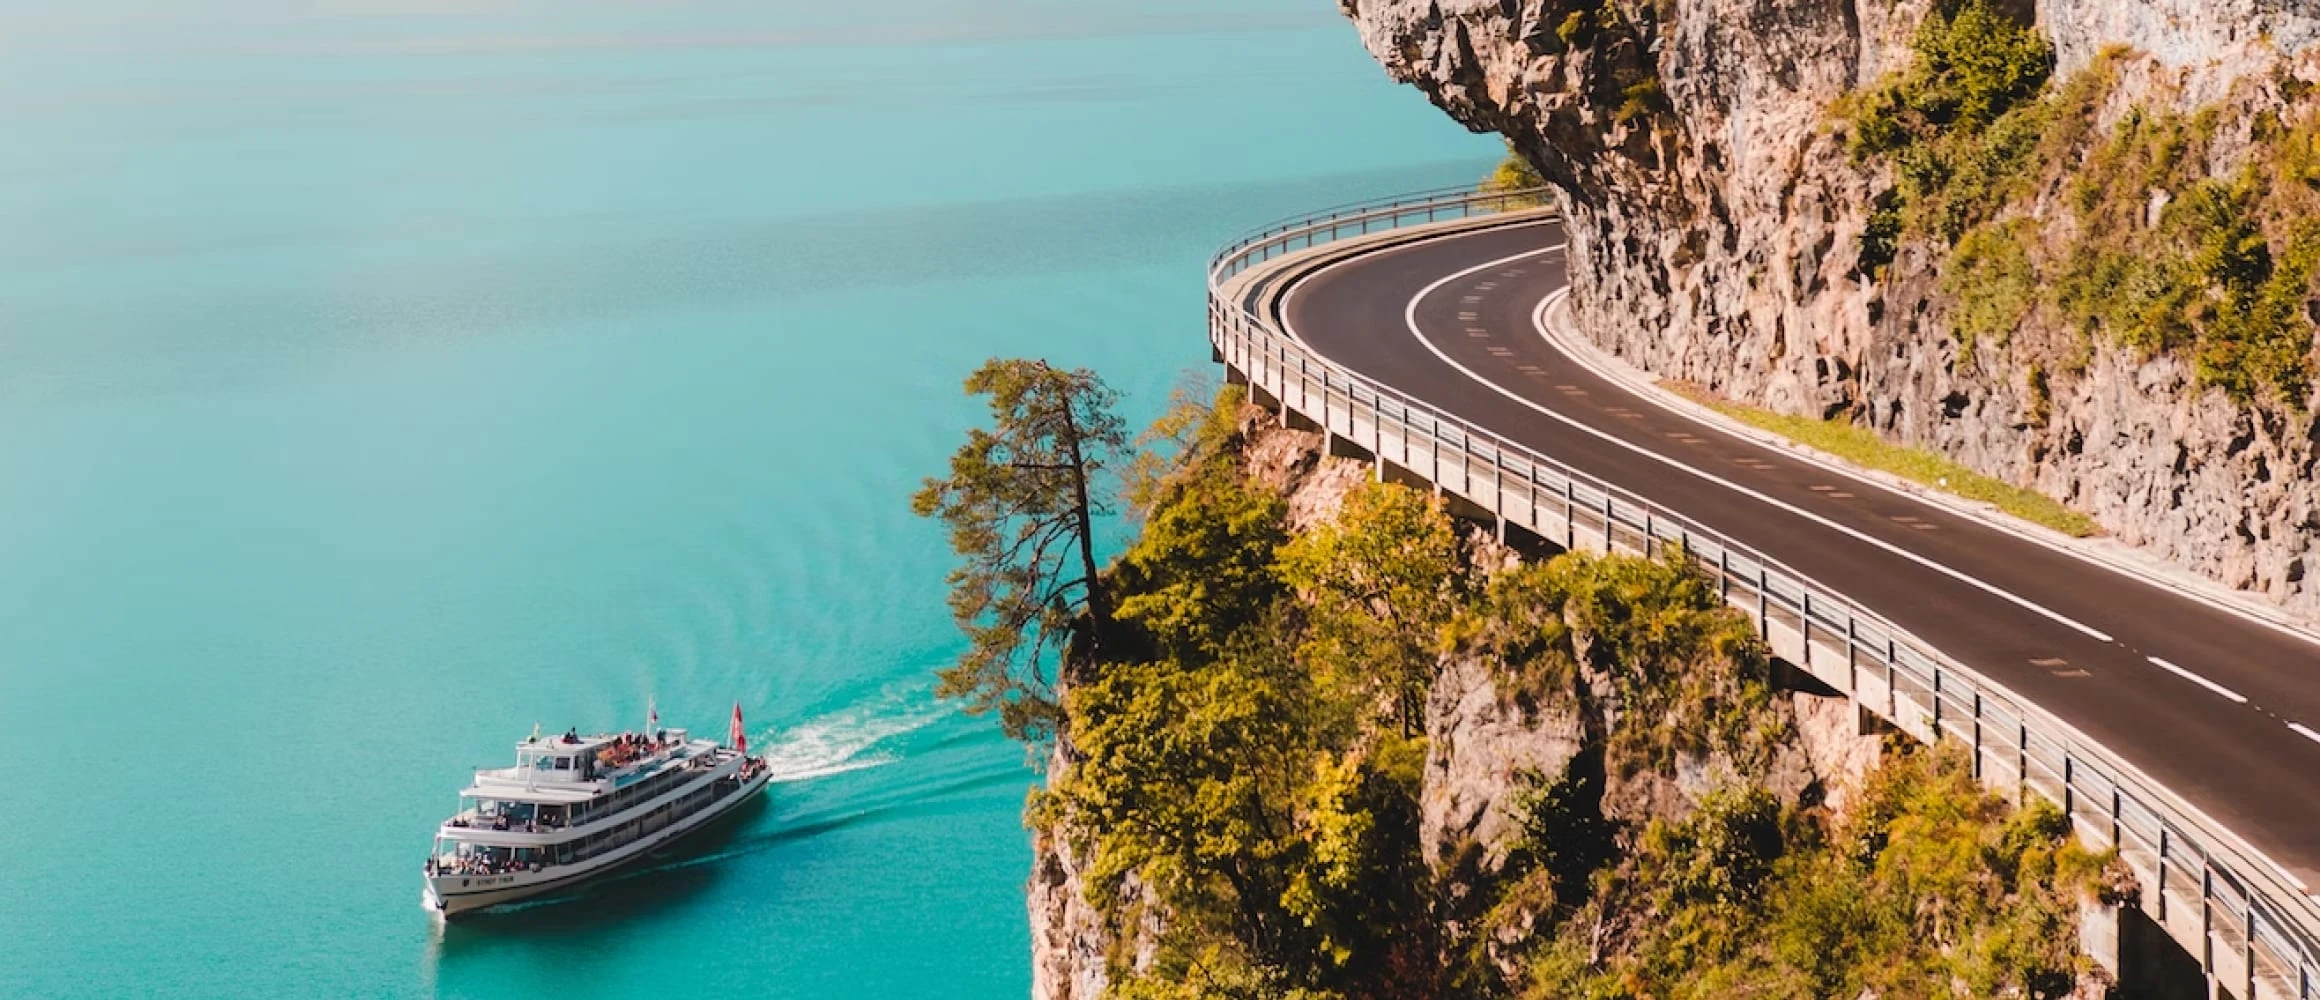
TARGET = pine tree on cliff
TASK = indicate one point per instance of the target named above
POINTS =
(1021, 502)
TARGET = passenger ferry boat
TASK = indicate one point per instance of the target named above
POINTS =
(575, 807)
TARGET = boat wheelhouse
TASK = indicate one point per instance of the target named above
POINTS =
(574, 807)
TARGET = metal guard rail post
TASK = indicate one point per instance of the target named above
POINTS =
(2257, 932)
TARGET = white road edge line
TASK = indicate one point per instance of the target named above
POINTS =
(1282, 298)
(2196, 679)
(1536, 318)
(1539, 326)
(1410, 318)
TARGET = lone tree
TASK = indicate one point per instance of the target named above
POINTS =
(1021, 503)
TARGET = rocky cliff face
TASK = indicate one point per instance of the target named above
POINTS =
(1070, 944)
(1483, 747)
(1067, 935)
(1717, 217)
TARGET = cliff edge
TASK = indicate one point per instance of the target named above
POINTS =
(1345, 746)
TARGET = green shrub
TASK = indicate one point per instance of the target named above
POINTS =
(1880, 239)
(1378, 586)
(1514, 173)
(1991, 278)
(1564, 838)
(1962, 124)
(2298, 160)
(2224, 273)
(2260, 341)
(1640, 99)
(1578, 28)
(1977, 63)
(1973, 63)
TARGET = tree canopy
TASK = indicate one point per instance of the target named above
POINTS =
(1021, 502)
(1381, 582)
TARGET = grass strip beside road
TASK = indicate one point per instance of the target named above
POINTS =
(1862, 446)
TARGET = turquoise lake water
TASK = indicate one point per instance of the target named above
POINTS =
(381, 377)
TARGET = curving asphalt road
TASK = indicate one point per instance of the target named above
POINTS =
(2222, 709)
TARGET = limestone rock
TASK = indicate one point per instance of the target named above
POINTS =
(1068, 939)
(1829, 734)
(1715, 222)
(1478, 743)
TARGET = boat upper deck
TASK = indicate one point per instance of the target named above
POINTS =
(573, 768)
(562, 786)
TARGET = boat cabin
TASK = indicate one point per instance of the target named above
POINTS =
(575, 761)
(569, 780)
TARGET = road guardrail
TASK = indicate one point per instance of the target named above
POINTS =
(2253, 927)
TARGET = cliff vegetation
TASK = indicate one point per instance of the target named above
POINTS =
(2138, 235)
(1929, 887)
(2068, 245)
(1335, 744)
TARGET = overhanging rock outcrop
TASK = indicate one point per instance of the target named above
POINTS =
(1717, 218)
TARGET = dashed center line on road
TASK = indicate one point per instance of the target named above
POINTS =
(1410, 322)
(2056, 666)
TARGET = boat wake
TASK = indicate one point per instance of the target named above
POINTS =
(850, 739)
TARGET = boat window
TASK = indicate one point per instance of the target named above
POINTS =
(563, 763)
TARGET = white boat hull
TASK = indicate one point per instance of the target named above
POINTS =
(452, 895)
